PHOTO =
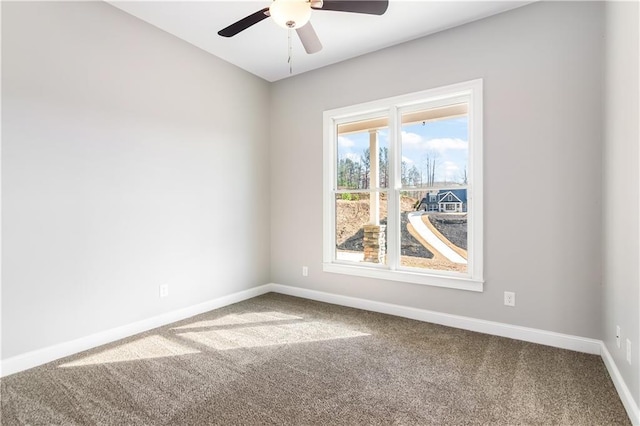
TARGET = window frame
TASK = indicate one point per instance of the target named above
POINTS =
(394, 107)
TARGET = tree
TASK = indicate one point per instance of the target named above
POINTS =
(365, 158)
(404, 179)
(463, 176)
(413, 176)
(349, 174)
(383, 160)
(430, 162)
(383, 166)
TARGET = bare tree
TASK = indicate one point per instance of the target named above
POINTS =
(430, 164)
(463, 176)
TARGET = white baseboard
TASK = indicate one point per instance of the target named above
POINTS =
(623, 391)
(42, 356)
(549, 338)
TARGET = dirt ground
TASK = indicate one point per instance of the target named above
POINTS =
(351, 215)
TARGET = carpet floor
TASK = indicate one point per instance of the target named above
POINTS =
(283, 360)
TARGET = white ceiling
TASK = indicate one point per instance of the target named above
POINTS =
(263, 48)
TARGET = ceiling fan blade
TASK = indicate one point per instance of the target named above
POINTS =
(371, 7)
(244, 23)
(309, 38)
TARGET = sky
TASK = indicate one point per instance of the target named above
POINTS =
(447, 140)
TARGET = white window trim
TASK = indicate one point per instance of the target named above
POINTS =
(473, 279)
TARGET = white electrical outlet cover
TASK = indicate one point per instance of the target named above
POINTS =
(509, 298)
(164, 290)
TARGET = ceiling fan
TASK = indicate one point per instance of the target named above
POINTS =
(295, 14)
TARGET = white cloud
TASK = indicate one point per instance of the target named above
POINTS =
(451, 169)
(345, 142)
(450, 166)
(407, 160)
(411, 139)
(414, 140)
(445, 144)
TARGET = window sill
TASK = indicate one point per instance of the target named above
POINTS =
(460, 283)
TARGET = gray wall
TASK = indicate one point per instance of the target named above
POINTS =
(542, 72)
(621, 189)
(130, 159)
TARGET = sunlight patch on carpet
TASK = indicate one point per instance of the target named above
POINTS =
(236, 319)
(270, 335)
(145, 348)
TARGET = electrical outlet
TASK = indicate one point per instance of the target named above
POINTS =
(305, 271)
(509, 298)
(164, 290)
(629, 351)
(618, 336)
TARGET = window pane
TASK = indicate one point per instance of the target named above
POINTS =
(361, 227)
(435, 147)
(354, 158)
(433, 231)
(435, 154)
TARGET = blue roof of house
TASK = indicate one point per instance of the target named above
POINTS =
(460, 193)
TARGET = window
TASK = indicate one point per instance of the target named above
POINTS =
(403, 188)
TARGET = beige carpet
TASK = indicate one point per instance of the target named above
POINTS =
(282, 360)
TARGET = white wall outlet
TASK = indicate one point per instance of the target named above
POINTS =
(305, 271)
(618, 336)
(509, 298)
(629, 351)
(164, 290)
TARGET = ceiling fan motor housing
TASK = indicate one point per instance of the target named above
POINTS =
(290, 13)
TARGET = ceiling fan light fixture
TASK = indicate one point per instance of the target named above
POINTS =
(290, 14)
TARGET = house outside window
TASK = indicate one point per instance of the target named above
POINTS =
(403, 188)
